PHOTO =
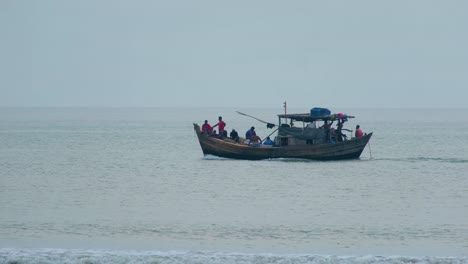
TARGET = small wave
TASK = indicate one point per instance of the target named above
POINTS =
(450, 160)
(105, 256)
(292, 160)
(418, 159)
(212, 157)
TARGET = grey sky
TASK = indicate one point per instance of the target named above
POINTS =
(410, 53)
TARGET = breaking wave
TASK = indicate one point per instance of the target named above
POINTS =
(51, 256)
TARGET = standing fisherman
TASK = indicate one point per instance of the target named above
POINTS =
(221, 124)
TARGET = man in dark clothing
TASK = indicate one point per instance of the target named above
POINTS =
(234, 135)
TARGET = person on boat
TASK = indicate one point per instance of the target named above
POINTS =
(332, 135)
(339, 130)
(234, 135)
(221, 124)
(268, 141)
(214, 134)
(326, 126)
(250, 132)
(358, 132)
(206, 127)
(255, 140)
(252, 136)
(339, 127)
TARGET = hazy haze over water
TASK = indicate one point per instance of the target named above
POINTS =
(238, 54)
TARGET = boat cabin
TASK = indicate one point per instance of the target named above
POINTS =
(309, 128)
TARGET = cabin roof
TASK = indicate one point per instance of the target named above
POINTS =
(308, 118)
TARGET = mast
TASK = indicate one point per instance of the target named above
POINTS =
(285, 111)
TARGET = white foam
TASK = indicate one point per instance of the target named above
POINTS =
(47, 255)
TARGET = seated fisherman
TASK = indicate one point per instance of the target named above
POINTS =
(268, 141)
(234, 135)
(358, 132)
(249, 132)
(206, 127)
(254, 139)
(252, 136)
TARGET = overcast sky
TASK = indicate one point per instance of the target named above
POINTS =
(411, 53)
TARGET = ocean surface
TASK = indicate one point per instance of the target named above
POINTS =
(131, 185)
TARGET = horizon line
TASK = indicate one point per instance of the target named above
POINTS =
(230, 107)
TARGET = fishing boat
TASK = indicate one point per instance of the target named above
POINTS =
(313, 139)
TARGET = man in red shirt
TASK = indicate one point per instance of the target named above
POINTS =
(358, 132)
(221, 124)
(206, 127)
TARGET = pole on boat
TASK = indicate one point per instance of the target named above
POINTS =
(285, 111)
(370, 151)
(268, 123)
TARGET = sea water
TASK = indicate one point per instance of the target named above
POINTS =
(131, 185)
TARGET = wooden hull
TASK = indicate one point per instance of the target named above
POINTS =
(349, 149)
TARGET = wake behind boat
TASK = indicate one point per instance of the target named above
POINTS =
(304, 142)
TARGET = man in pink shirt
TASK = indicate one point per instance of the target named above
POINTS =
(206, 127)
(358, 132)
(221, 124)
